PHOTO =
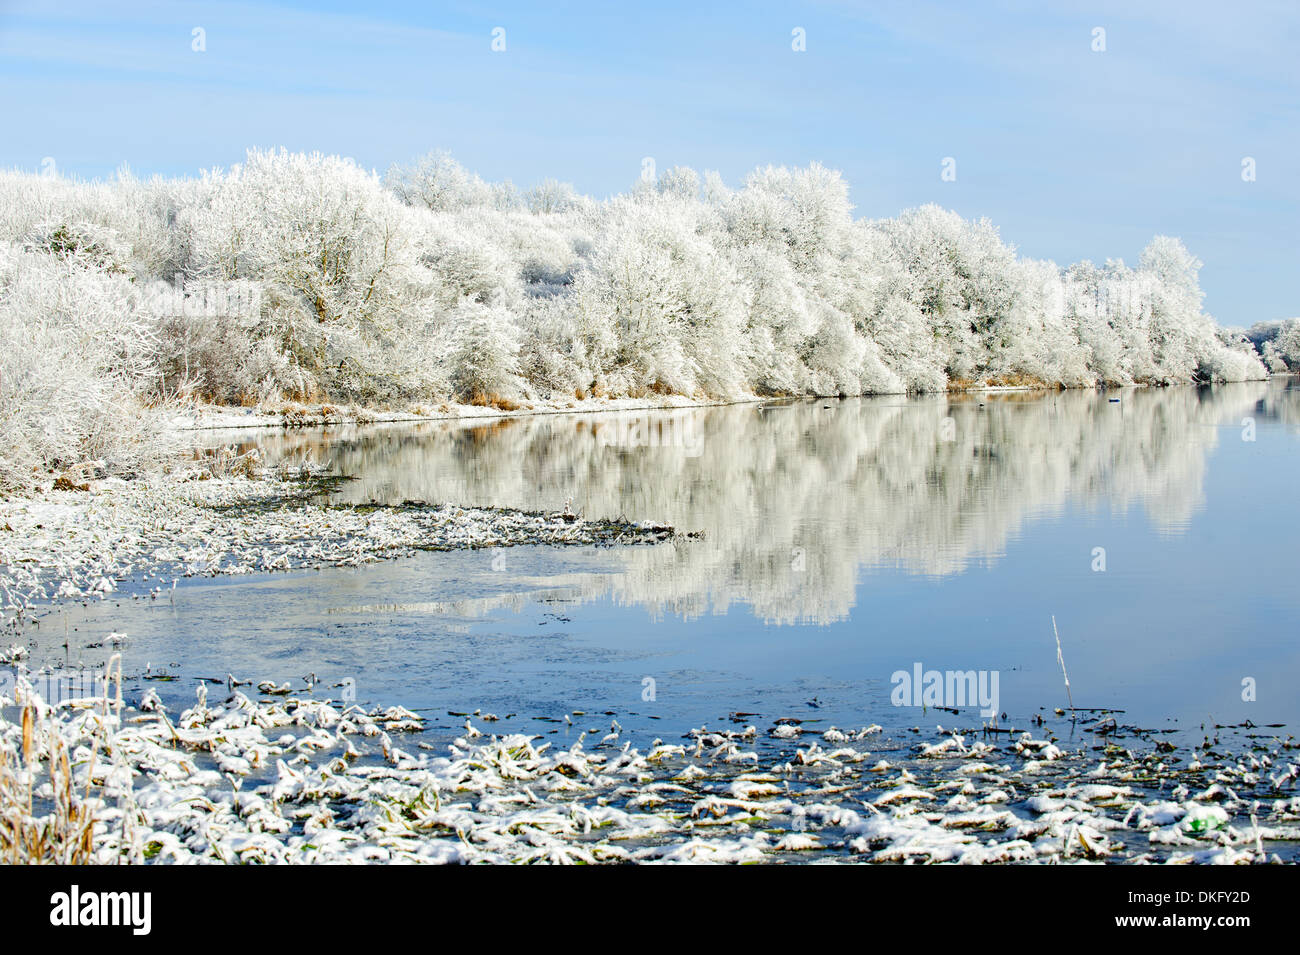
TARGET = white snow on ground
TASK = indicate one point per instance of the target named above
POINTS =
(205, 417)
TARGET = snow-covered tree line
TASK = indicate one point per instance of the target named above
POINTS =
(308, 277)
(1278, 343)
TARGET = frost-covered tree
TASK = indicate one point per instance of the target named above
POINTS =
(551, 196)
(485, 352)
(439, 183)
(1287, 344)
(681, 182)
(963, 279)
(332, 249)
(658, 303)
(1277, 343)
(76, 355)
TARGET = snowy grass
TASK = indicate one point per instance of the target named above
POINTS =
(37, 770)
(293, 779)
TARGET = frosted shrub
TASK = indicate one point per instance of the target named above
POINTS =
(552, 355)
(74, 356)
(1228, 356)
(1278, 343)
(908, 346)
(666, 303)
(962, 278)
(227, 355)
(779, 323)
(438, 183)
(1287, 344)
(485, 352)
(551, 196)
(330, 241)
(91, 245)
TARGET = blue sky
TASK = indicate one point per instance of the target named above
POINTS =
(1071, 153)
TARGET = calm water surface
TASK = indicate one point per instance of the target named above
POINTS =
(842, 541)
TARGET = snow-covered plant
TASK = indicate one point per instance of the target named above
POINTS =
(331, 246)
(439, 183)
(1284, 348)
(485, 352)
(75, 359)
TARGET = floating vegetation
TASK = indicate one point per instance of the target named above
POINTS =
(77, 547)
(296, 780)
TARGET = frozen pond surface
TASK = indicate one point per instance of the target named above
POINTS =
(843, 541)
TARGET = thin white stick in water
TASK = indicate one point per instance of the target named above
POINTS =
(1061, 660)
(1260, 855)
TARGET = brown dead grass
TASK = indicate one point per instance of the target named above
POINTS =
(493, 400)
(1018, 379)
(1010, 380)
(64, 835)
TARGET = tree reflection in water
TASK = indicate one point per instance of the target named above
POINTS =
(798, 499)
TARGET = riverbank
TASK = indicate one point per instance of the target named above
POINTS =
(204, 417)
(291, 779)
